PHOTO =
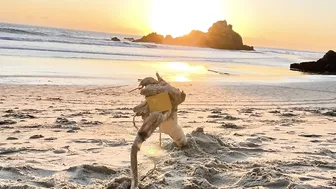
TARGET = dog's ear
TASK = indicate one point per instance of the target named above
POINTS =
(183, 96)
(159, 78)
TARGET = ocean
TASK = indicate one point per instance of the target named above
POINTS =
(41, 55)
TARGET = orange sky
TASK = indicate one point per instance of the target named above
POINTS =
(296, 24)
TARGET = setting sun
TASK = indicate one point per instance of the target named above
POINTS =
(176, 18)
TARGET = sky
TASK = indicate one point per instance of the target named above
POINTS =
(294, 24)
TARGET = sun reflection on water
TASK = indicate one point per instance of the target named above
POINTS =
(182, 78)
(181, 71)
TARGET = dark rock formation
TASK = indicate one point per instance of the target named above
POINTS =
(129, 39)
(325, 65)
(115, 39)
(151, 38)
(219, 36)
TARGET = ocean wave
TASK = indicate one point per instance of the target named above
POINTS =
(290, 52)
(38, 35)
(20, 40)
(104, 42)
(13, 32)
(68, 51)
(125, 55)
(21, 31)
(91, 42)
(50, 32)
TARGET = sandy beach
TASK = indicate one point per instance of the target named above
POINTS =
(252, 136)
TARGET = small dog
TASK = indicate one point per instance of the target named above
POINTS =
(162, 117)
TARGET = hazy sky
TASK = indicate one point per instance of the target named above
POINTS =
(297, 24)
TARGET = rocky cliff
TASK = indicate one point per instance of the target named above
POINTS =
(219, 36)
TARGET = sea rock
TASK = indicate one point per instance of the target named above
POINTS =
(222, 36)
(151, 38)
(325, 65)
(115, 39)
(219, 36)
(129, 39)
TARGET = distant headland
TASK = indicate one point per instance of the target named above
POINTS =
(219, 36)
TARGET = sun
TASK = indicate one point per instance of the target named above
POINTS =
(179, 17)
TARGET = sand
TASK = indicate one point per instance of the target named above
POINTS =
(239, 136)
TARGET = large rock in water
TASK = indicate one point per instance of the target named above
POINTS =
(219, 36)
(151, 38)
(129, 39)
(115, 39)
(325, 65)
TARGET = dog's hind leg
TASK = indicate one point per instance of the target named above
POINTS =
(148, 127)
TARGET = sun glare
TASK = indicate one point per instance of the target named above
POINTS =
(179, 17)
(181, 78)
(182, 67)
(181, 71)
